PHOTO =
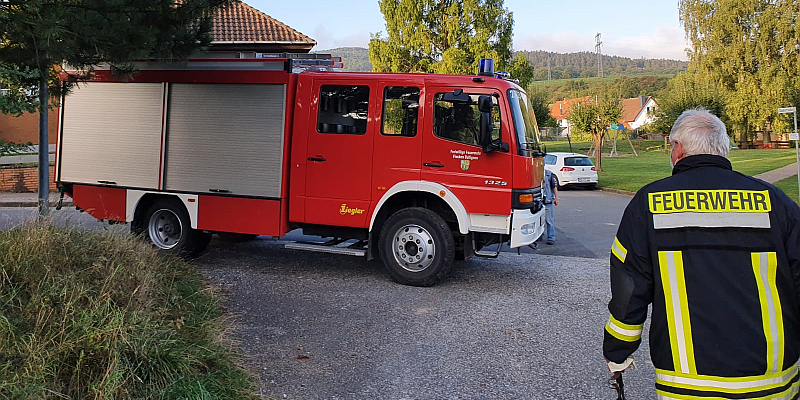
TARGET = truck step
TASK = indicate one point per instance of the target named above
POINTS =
(326, 249)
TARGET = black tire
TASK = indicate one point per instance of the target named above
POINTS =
(236, 237)
(167, 225)
(434, 251)
(591, 186)
(558, 184)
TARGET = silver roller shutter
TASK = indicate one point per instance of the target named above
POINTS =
(225, 137)
(112, 132)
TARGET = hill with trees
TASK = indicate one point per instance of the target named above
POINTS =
(550, 65)
(562, 65)
(355, 59)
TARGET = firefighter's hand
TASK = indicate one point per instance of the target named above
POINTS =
(614, 367)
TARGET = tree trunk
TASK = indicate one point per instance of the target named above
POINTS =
(768, 130)
(44, 147)
(598, 151)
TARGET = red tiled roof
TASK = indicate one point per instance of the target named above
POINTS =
(560, 109)
(632, 107)
(240, 23)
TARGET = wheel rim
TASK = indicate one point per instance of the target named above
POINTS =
(165, 229)
(413, 248)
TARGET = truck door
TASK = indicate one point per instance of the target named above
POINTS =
(339, 150)
(452, 155)
(398, 144)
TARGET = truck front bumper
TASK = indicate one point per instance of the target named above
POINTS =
(526, 227)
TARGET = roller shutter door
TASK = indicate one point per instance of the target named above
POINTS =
(225, 137)
(112, 133)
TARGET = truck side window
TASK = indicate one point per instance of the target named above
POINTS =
(400, 110)
(343, 109)
(460, 121)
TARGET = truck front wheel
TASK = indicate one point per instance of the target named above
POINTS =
(417, 247)
(169, 228)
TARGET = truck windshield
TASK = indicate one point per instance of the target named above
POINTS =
(524, 122)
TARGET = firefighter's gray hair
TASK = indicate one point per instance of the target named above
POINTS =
(701, 132)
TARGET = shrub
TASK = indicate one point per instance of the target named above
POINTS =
(104, 316)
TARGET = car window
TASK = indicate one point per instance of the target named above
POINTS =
(549, 159)
(578, 162)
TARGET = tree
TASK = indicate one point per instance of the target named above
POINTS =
(38, 35)
(750, 50)
(685, 91)
(540, 102)
(445, 37)
(595, 117)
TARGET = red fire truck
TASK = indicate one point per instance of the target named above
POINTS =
(415, 169)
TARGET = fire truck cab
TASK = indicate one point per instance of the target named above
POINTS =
(414, 169)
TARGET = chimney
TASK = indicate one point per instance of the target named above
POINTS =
(642, 101)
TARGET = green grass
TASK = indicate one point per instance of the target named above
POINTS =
(789, 186)
(102, 315)
(632, 173)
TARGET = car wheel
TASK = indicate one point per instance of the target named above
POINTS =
(591, 186)
(169, 228)
(417, 247)
(558, 183)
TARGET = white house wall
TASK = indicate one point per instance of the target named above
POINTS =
(644, 118)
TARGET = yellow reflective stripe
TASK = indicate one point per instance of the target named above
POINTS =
(623, 331)
(725, 384)
(765, 267)
(787, 394)
(619, 250)
(680, 328)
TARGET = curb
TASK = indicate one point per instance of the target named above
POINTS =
(617, 191)
(30, 204)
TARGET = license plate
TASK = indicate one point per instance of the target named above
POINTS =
(583, 179)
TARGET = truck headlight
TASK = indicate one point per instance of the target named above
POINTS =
(528, 229)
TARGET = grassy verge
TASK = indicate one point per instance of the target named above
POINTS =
(789, 186)
(631, 173)
(102, 315)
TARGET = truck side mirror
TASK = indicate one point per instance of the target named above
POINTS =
(485, 104)
(486, 131)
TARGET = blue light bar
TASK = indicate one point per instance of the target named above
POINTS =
(486, 67)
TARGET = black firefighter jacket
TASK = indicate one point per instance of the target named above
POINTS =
(717, 254)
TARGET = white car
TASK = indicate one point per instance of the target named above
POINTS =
(571, 169)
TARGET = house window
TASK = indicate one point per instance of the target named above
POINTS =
(460, 121)
(343, 109)
(400, 111)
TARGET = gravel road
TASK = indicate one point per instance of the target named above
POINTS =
(333, 327)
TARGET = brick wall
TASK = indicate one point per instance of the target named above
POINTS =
(22, 179)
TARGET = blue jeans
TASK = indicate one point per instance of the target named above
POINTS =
(550, 218)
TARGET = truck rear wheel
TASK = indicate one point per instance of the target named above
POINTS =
(417, 247)
(166, 223)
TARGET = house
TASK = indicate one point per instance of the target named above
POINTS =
(238, 27)
(638, 111)
(560, 112)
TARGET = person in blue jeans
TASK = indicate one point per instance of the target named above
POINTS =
(550, 201)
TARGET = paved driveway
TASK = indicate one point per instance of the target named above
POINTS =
(526, 326)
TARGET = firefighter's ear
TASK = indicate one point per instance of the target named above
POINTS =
(677, 153)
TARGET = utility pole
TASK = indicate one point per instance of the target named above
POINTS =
(598, 49)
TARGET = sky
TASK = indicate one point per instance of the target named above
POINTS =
(629, 28)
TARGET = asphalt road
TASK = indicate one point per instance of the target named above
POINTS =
(529, 326)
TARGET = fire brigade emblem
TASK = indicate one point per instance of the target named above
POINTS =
(464, 165)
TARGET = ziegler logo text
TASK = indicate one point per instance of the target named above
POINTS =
(352, 211)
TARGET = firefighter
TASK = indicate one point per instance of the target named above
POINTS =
(717, 254)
